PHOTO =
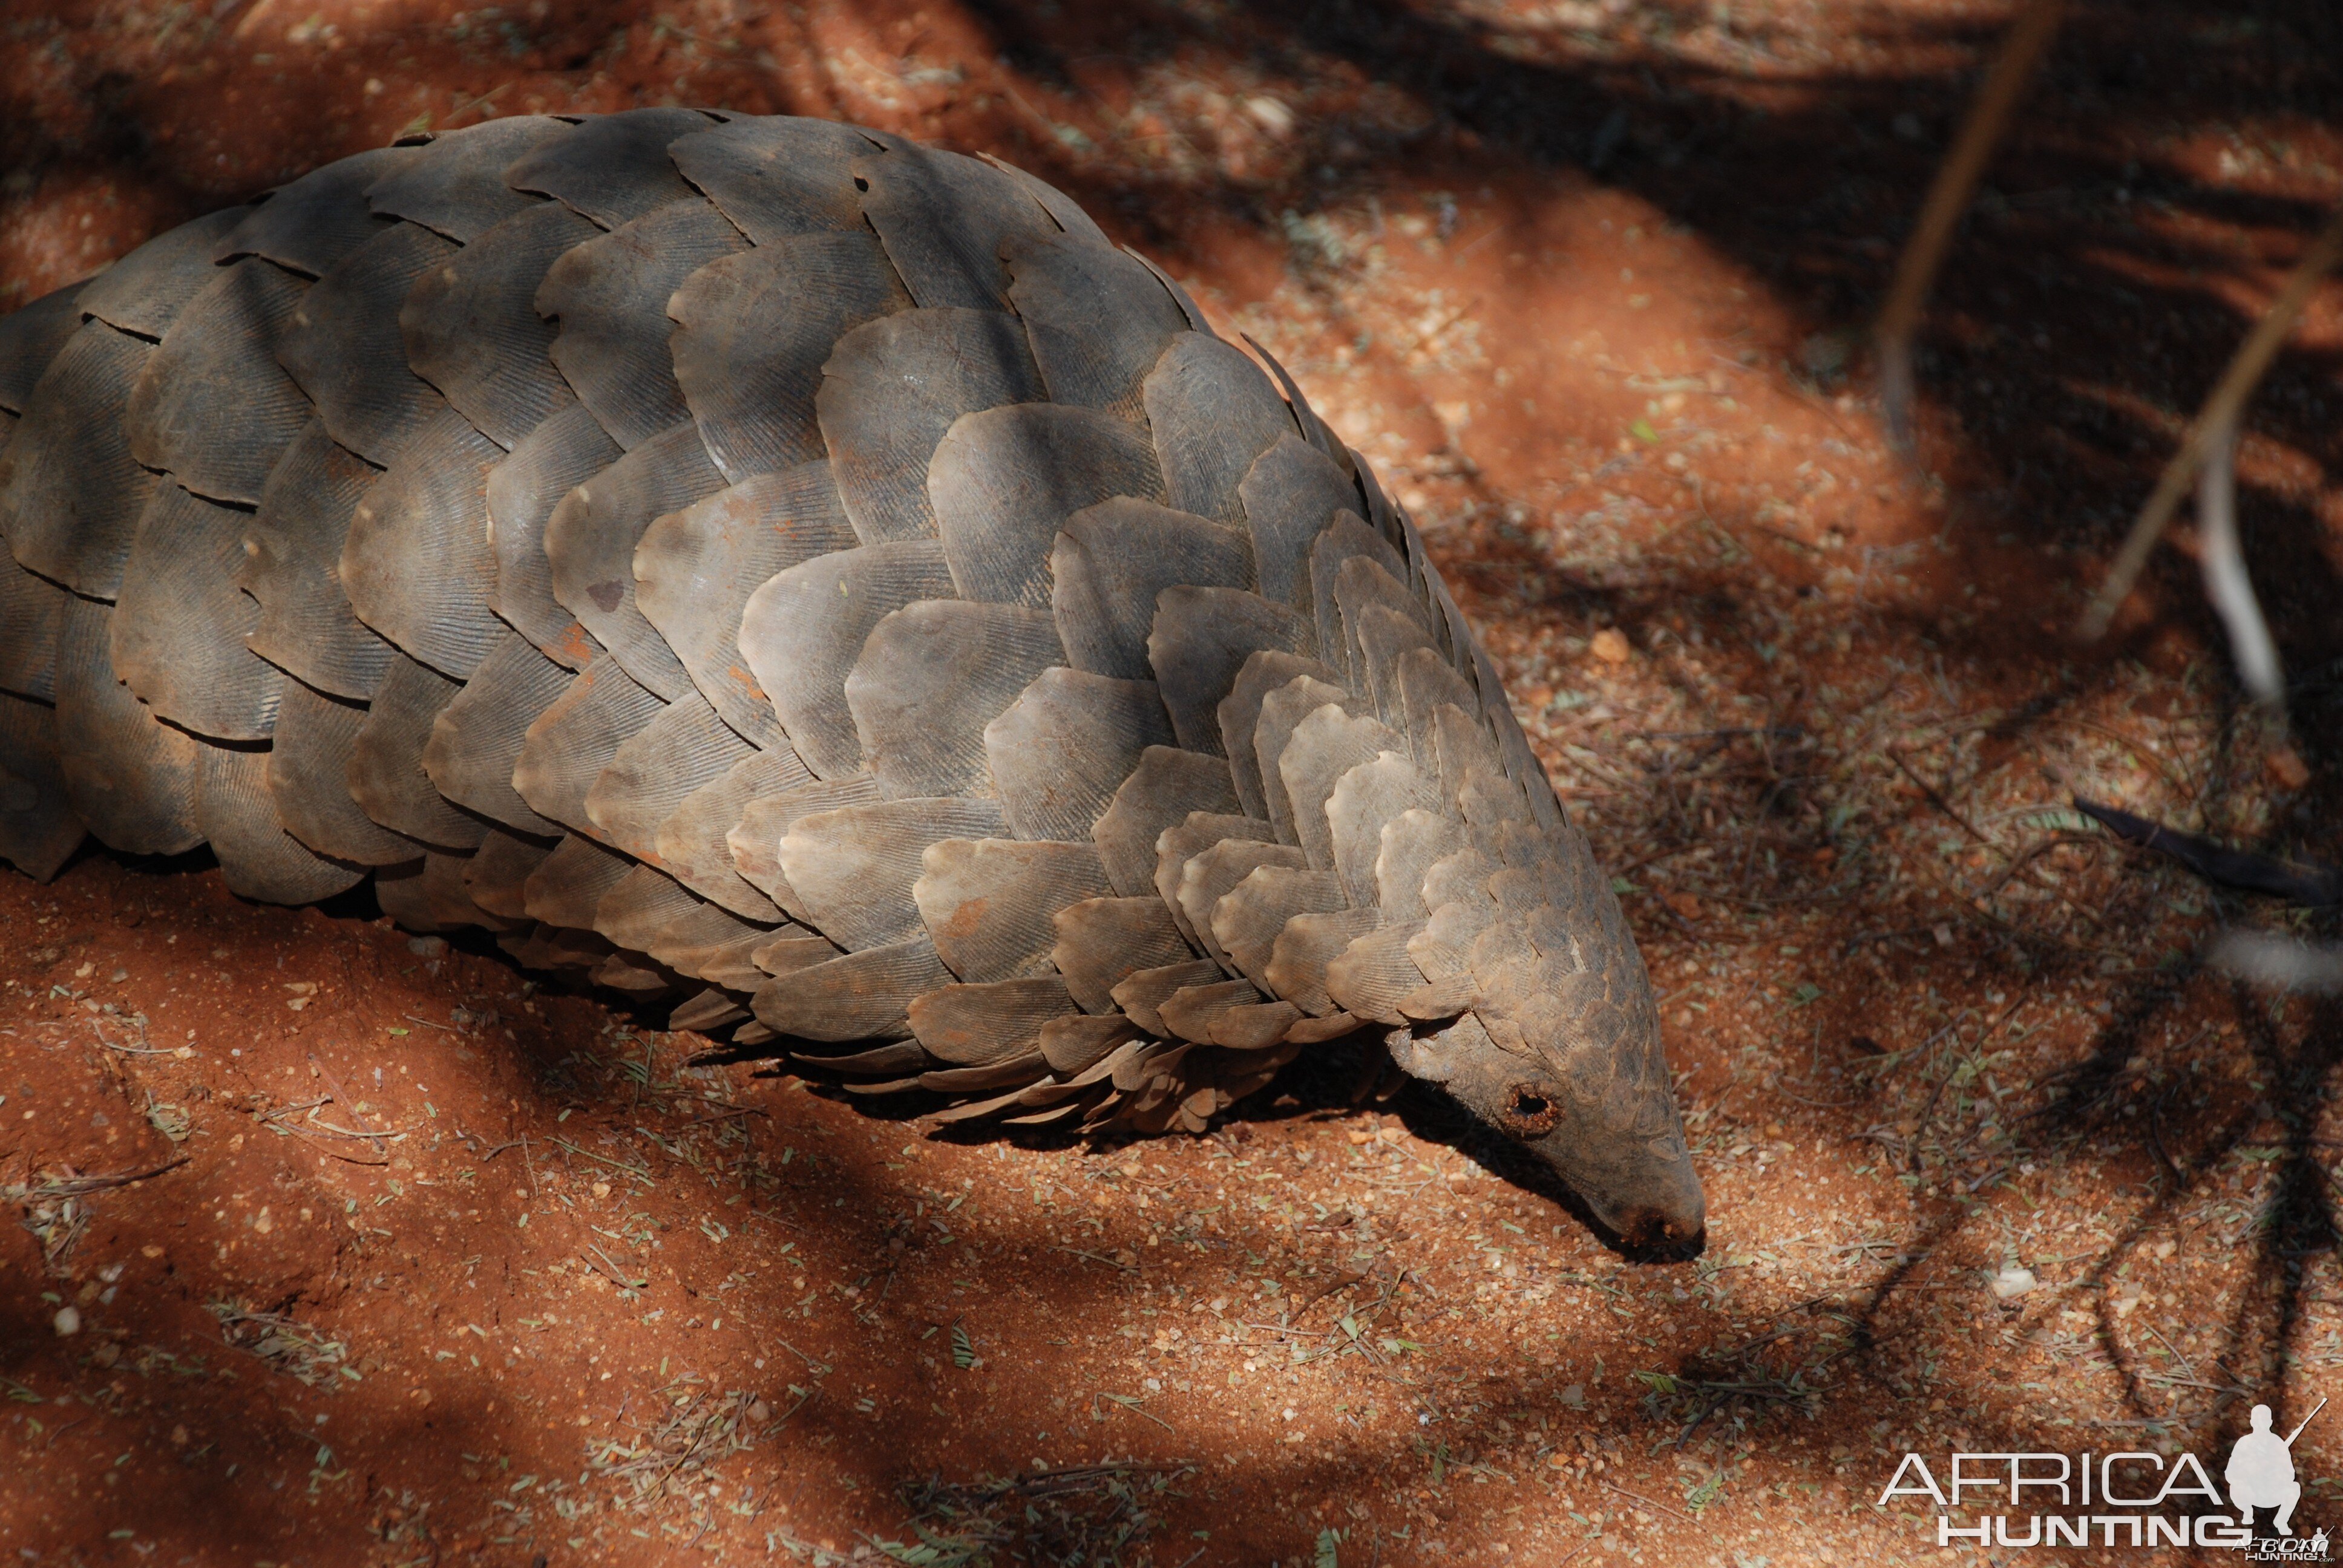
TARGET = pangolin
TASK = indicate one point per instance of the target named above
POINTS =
(778, 560)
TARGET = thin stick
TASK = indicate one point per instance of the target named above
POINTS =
(1095, 1258)
(733, 1114)
(2226, 582)
(81, 1186)
(1936, 797)
(343, 1096)
(818, 1368)
(617, 1275)
(1340, 1282)
(128, 1050)
(1948, 198)
(1425, 339)
(1131, 1404)
(369, 1136)
(2221, 413)
(1647, 1502)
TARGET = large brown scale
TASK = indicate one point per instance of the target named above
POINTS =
(770, 562)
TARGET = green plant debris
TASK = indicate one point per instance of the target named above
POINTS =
(286, 1344)
(694, 1428)
(1082, 1515)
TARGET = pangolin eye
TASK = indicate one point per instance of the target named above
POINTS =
(1531, 1110)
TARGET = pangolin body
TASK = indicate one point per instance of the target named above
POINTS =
(772, 557)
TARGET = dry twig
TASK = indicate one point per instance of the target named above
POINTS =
(2226, 582)
(1948, 198)
(343, 1096)
(2216, 422)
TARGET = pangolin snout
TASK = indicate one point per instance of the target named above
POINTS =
(1654, 1207)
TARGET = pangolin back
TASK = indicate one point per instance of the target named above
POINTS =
(772, 559)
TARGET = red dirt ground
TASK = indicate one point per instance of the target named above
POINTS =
(376, 1253)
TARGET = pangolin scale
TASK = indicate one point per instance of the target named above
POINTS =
(773, 565)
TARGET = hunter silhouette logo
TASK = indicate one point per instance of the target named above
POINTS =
(2261, 1471)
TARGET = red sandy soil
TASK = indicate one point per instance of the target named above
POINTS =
(374, 1253)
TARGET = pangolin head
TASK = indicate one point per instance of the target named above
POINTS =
(1559, 1051)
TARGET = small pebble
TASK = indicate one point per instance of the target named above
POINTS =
(2013, 1281)
(67, 1321)
(427, 947)
(1271, 114)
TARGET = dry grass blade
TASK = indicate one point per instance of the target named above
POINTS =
(56, 1220)
(1639, 1497)
(342, 1097)
(2226, 582)
(1936, 797)
(2216, 423)
(1080, 1514)
(697, 1428)
(1098, 1258)
(1742, 1385)
(139, 1023)
(1948, 198)
(287, 1344)
(617, 1276)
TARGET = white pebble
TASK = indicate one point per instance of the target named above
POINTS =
(2011, 1282)
(67, 1321)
